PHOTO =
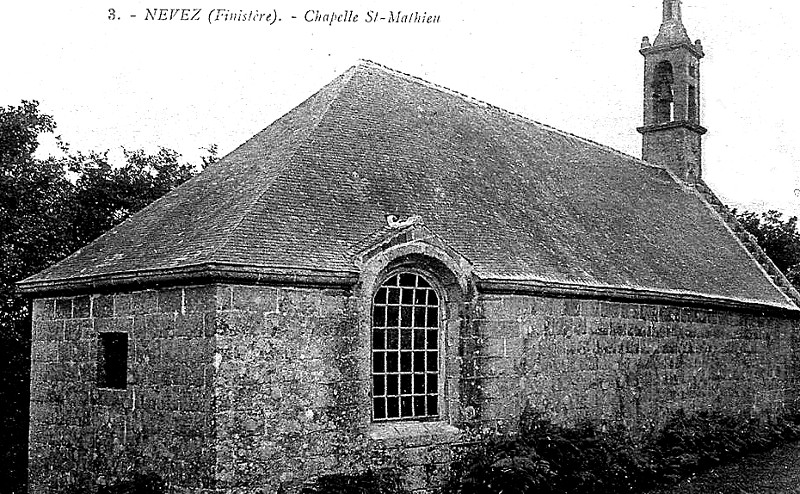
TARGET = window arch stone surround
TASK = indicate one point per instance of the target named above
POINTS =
(451, 276)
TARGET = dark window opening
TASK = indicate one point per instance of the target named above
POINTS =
(112, 360)
(405, 349)
(662, 92)
(692, 107)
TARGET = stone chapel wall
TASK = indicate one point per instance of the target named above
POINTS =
(632, 363)
(236, 388)
(163, 420)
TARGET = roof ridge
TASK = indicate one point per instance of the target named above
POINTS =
(344, 77)
(477, 101)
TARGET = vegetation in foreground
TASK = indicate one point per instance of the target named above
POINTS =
(545, 458)
(551, 459)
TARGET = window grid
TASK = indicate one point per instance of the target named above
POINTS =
(405, 349)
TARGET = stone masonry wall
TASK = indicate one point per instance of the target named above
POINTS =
(284, 384)
(293, 391)
(80, 433)
(576, 360)
(294, 378)
(249, 389)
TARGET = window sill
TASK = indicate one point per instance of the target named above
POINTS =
(439, 430)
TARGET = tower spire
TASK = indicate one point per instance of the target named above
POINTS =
(671, 133)
(672, 29)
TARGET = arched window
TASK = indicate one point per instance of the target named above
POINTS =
(405, 349)
(662, 92)
(692, 107)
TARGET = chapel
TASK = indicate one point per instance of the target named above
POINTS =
(392, 271)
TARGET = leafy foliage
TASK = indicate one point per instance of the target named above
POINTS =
(105, 195)
(367, 482)
(779, 238)
(48, 209)
(502, 465)
(691, 443)
(137, 483)
(551, 459)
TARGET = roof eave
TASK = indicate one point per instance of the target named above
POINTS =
(207, 273)
(629, 294)
(211, 273)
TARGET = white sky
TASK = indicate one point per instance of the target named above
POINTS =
(573, 65)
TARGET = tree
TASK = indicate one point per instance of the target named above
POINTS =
(48, 209)
(779, 238)
(105, 195)
(30, 209)
(31, 204)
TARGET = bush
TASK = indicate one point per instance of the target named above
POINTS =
(367, 482)
(149, 483)
(691, 443)
(137, 483)
(587, 460)
(503, 465)
(545, 458)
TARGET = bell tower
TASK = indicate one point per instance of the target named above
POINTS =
(671, 134)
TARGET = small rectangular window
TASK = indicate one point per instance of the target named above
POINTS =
(112, 360)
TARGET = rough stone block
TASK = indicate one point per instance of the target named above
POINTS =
(199, 299)
(63, 308)
(239, 322)
(610, 309)
(572, 308)
(159, 326)
(257, 299)
(42, 330)
(170, 301)
(669, 314)
(81, 306)
(44, 309)
(76, 329)
(144, 302)
(103, 306)
(295, 304)
(190, 325)
(106, 324)
(44, 351)
(223, 297)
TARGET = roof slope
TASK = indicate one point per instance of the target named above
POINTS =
(519, 200)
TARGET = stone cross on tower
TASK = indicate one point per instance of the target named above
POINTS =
(671, 132)
(672, 10)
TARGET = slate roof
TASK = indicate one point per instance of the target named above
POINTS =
(519, 200)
